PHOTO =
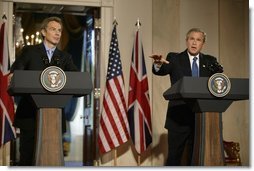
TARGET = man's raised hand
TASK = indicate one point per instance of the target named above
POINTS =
(158, 59)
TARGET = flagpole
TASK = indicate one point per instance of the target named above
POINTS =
(115, 23)
(139, 159)
(115, 157)
(1, 156)
(4, 155)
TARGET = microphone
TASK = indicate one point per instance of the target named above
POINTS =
(46, 61)
(56, 61)
(214, 67)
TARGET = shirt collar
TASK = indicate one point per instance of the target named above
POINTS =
(191, 56)
(52, 49)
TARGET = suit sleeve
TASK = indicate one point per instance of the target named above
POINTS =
(166, 69)
(21, 60)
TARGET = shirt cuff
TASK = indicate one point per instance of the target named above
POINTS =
(156, 67)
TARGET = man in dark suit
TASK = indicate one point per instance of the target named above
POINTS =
(180, 120)
(38, 57)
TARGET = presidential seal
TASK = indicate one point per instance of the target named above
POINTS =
(219, 85)
(53, 78)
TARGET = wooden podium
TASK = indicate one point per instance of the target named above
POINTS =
(208, 144)
(49, 147)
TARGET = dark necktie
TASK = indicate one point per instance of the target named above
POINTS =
(195, 71)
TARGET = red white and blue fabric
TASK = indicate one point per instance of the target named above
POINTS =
(6, 102)
(139, 112)
(114, 127)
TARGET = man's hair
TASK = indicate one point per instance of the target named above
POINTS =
(196, 30)
(47, 20)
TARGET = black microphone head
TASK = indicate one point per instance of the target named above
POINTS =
(218, 68)
(46, 61)
(56, 61)
(215, 68)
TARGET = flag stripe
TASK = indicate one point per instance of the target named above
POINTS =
(105, 136)
(112, 118)
(121, 105)
(109, 126)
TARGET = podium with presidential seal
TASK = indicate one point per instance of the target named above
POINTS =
(51, 89)
(208, 98)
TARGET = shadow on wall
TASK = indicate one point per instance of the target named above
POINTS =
(161, 148)
(155, 152)
(111, 156)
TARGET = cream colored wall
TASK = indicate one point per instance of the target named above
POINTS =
(202, 14)
(166, 33)
(234, 55)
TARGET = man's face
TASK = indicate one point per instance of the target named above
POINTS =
(195, 42)
(52, 33)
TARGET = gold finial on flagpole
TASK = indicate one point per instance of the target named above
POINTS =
(115, 23)
(4, 16)
(138, 24)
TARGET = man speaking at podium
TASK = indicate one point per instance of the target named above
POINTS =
(38, 57)
(180, 120)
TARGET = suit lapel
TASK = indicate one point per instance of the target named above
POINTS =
(42, 52)
(56, 53)
(202, 65)
(185, 62)
(41, 49)
(56, 56)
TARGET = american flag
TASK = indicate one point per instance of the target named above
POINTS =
(114, 127)
(6, 102)
(139, 113)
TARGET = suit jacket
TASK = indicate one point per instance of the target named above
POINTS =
(179, 115)
(35, 58)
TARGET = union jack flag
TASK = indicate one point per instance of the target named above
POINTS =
(6, 102)
(114, 127)
(139, 113)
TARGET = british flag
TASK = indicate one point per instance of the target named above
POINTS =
(139, 113)
(6, 102)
